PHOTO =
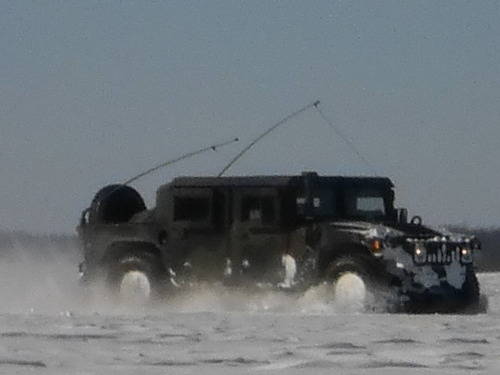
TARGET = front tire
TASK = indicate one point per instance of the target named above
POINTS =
(360, 279)
(473, 301)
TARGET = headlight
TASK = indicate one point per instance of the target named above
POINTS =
(420, 254)
(465, 255)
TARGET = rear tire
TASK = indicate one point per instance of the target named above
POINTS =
(136, 278)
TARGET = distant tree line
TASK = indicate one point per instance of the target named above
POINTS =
(13, 243)
(489, 259)
(22, 244)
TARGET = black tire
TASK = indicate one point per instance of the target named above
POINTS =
(470, 288)
(115, 204)
(146, 264)
(374, 277)
(473, 302)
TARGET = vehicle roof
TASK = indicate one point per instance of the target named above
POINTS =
(277, 181)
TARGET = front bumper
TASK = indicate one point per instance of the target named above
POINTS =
(440, 272)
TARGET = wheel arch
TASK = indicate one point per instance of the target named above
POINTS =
(330, 254)
(125, 256)
(118, 249)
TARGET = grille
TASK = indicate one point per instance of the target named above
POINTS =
(436, 253)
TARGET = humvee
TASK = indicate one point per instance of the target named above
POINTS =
(281, 232)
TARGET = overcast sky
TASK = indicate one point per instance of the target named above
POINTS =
(93, 92)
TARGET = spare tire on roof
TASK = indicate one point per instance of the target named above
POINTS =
(115, 204)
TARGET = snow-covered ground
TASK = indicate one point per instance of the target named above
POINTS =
(47, 328)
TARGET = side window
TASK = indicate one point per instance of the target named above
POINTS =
(191, 208)
(370, 204)
(258, 208)
(366, 204)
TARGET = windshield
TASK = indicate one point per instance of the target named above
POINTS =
(365, 204)
(369, 203)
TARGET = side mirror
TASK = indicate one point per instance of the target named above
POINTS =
(416, 220)
(402, 215)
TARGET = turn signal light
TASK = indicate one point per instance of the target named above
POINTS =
(377, 246)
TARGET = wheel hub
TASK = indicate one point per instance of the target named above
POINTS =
(135, 287)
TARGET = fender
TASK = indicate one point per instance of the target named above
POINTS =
(119, 248)
(96, 269)
(329, 254)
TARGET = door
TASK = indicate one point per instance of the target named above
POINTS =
(258, 239)
(198, 227)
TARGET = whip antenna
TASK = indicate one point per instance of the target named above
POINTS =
(182, 157)
(251, 144)
(155, 168)
(345, 139)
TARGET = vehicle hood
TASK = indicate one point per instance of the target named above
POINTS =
(395, 230)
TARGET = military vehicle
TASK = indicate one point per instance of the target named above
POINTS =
(280, 232)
